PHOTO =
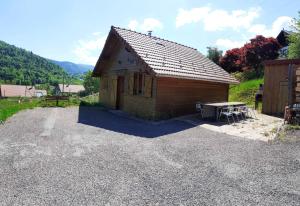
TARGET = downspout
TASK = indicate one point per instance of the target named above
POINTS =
(290, 85)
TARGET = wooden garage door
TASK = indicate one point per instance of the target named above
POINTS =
(282, 97)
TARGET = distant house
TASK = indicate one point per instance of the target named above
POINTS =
(17, 91)
(282, 39)
(40, 93)
(69, 89)
(155, 78)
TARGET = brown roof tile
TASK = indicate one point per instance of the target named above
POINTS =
(71, 88)
(167, 58)
(16, 91)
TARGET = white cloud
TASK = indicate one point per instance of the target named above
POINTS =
(192, 16)
(87, 51)
(280, 23)
(219, 19)
(133, 24)
(97, 33)
(229, 44)
(151, 24)
(146, 25)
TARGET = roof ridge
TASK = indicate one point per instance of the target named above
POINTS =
(115, 27)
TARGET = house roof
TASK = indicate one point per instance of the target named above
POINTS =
(282, 37)
(167, 58)
(17, 90)
(70, 88)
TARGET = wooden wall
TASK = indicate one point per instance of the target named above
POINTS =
(275, 96)
(108, 90)
(177, 97)
(297, 89)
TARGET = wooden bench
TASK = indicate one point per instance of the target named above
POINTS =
(57, 98)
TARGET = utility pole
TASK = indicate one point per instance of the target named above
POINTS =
(63, 90)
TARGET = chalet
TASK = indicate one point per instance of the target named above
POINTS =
(16, 91)
(69, 89)
(155, 78)
(283, 40)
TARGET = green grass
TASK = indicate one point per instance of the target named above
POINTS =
(9, 107)
(245, 91)
(291, 127)
(73, 101)
(91, 100)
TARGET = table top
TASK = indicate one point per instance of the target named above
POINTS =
(225, 104)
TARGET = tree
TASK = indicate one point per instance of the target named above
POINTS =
(232, 60)
(90, 83)
(18, 66)
(294, 41)
(214, 54)
(258, 50)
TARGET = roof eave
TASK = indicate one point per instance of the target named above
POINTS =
(197, 78)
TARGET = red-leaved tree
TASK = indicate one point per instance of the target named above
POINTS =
(232, 60)
(258, 50)
(251, 55)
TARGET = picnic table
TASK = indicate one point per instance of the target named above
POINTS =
(218, 106)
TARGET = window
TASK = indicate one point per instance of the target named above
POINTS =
(138, 83)
(140, 88)
(142, 84)
(135, 83)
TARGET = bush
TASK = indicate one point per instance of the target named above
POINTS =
(247, 75)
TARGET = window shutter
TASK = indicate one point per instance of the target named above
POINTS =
(148, 86)
(103, 81)
(130, 84)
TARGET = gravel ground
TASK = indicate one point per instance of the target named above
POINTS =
(88, 156)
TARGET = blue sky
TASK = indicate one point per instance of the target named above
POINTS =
(75, 30)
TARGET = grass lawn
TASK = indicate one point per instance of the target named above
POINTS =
(245, 91)
(11, 106)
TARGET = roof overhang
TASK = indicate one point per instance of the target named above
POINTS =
(281, 62)
(198, 78)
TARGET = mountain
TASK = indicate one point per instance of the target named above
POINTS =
(18, 66)
(73, 68)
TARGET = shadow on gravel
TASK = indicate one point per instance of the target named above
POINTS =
(97, 117)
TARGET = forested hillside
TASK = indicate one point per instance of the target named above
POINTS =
(73, 68)
(18, 66)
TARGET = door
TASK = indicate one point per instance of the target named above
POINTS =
(282, 97)
(120, 92)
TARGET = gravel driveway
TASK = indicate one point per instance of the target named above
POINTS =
(89, 156)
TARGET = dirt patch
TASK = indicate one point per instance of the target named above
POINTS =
(263, 127)
(289, 133)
